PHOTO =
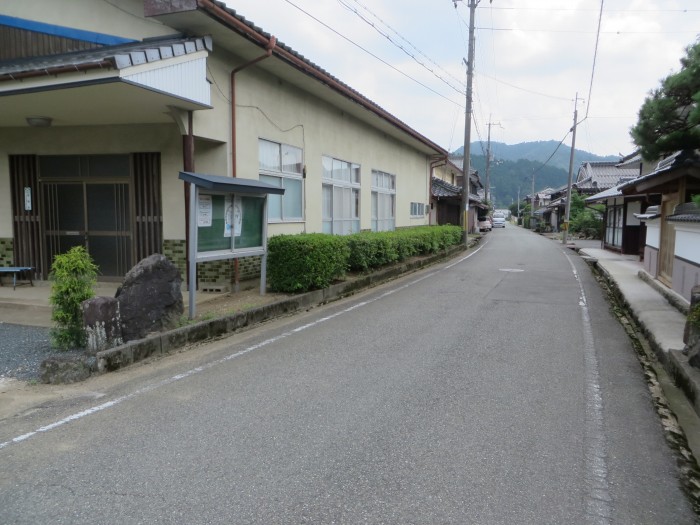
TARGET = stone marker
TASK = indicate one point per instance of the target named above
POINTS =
(102, 323)
(150, 299)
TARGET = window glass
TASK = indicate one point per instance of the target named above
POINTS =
(274, 202)
(291, 159)
(355, 168)
(269, 155)
(327, 164)
(292, 199)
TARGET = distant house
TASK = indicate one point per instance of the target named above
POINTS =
(672, 246)
(446, 194)
(103, 106)
(623, 231)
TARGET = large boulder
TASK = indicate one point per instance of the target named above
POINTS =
(150, 299)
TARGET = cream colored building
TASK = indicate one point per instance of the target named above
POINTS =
(103, 104)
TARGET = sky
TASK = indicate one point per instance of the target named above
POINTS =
(532, 60)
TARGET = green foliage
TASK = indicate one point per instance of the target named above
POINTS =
(669, 119)
(298, 263)
(696, 199)
(694, 316)
(74, 275)
(587, 222)
(374, 249)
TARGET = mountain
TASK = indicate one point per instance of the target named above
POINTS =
(538, 151)
(512, 167)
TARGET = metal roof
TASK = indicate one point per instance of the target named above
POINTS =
(109, 57)
(229, 184)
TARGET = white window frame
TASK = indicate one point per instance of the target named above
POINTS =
(383, 192)
(342, 180)
(284, 176)
(417, 210)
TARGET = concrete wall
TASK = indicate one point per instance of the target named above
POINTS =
(651, 260)
(686, 264)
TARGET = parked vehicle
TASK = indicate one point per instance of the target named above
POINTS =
(499, 220)
(484, 224)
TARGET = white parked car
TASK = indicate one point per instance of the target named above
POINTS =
(499, 220)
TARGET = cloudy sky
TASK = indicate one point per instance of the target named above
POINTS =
(531, 59)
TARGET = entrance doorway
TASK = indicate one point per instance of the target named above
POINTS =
(87, 202)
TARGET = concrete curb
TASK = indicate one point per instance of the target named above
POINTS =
(165, 342)
(684, 376)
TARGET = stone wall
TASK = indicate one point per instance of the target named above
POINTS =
(214, 276)
(6, 252)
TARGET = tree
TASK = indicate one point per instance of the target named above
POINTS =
(669, 119)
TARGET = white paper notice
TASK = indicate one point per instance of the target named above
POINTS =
(204, 211)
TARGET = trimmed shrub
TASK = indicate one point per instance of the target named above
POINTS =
(73, 274)
(310, 261)
(299, 263)
(374, 249)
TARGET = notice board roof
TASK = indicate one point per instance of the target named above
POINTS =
(230, 184)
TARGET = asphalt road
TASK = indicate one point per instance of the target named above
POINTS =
(491, 389)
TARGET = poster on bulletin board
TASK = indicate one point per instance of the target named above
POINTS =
(229, 222)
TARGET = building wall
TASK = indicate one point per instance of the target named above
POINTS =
(686, 264)
(274, 110)
(123, 19)
(651, 260)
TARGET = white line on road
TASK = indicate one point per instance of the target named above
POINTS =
(596, 466)
(193, 371)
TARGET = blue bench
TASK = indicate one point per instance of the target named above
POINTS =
(15, 271)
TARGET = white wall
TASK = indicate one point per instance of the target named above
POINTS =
(271, 109)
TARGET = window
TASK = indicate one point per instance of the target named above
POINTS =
(281, 165)
(341, 196)
(613, 225)
(417, 209)
(383, 201)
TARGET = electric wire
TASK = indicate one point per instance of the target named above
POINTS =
(595, 56)
(372, 54)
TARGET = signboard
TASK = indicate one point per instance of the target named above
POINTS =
(220, 216)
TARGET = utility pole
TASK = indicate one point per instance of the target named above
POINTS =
(466, 165)
(532, 202)
(488, 160)
(565, 234)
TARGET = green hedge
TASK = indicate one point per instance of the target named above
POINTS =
(298, 263)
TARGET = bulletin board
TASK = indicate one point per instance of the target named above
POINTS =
(229, 222)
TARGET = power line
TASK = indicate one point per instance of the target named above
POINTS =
(397, 45)
(372, 54)
(595, 56)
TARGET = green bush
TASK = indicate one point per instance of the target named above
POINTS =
(374, 249)
(298, 263)
(587, 223)
(74, 275)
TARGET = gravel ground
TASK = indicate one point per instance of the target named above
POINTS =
(23, 348)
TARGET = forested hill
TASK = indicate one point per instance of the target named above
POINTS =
(512, 167)
(538, 151)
